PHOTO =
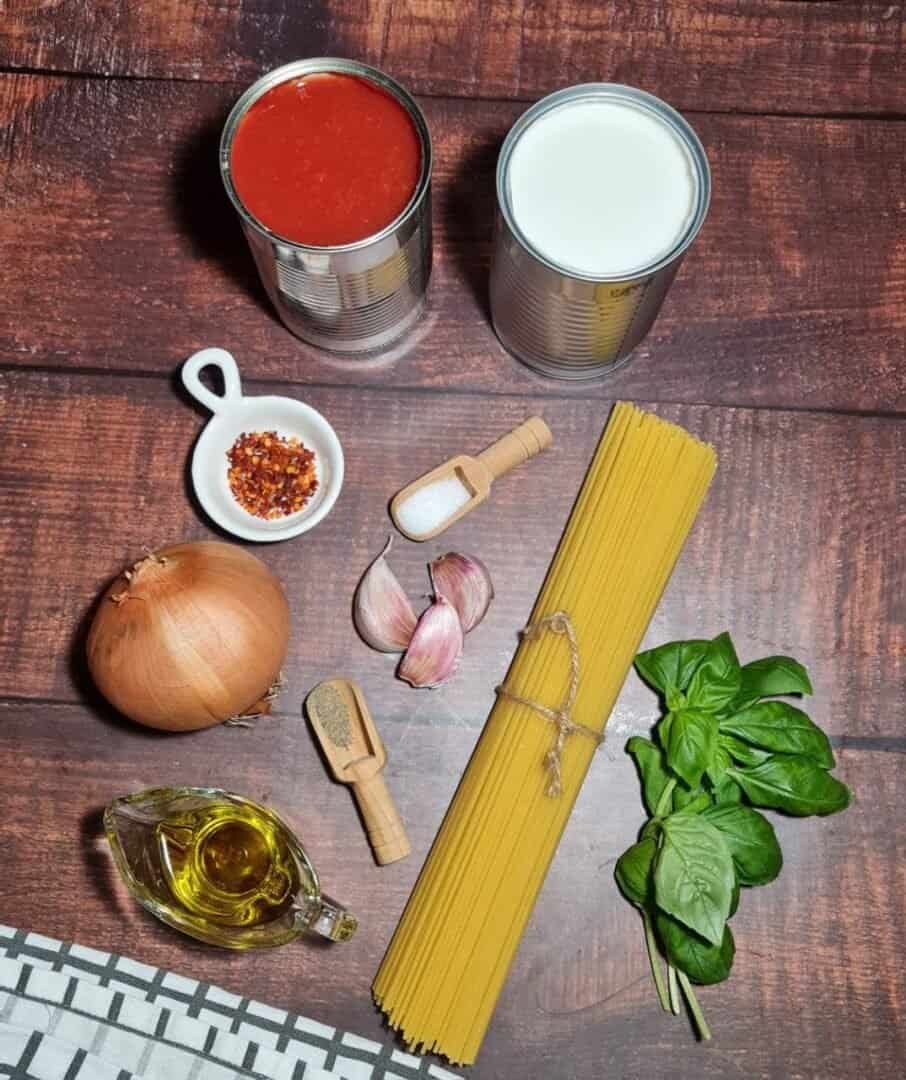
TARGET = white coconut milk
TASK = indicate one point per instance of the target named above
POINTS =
(602, 188)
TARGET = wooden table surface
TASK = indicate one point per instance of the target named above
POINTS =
(782, 342)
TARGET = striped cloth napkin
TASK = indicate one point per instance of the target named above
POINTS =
(68, 1012)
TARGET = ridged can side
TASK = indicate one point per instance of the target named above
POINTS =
(349, 298)
(572, 326)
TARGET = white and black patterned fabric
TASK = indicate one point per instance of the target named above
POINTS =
(68, 1012)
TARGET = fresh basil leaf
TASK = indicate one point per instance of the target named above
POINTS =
(651, 828)
(741, 751)
(694, 875)
(717, 678)
(702, 962)
(781, 728)
(662, 731)
(794, 784)
(649, 760)
(751, 840)
(720, 762)
(682, 796)
(695, 805)
(770, 677)
(675, 699)
(727, 792)
(691, 740)
(774, 675)
(670, 666)
(734, 900)
(633, 871)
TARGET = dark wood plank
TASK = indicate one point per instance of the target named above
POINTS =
(796, 551)
(127, 255)
(816, 990)
(775, 56)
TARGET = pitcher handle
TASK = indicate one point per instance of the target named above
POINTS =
(328, 918)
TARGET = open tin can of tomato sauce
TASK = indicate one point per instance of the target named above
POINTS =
(601, 188)
(328, 163)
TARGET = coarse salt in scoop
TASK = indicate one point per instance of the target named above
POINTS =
(429, 507)
(431, 504)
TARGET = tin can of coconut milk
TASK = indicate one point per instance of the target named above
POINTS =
(354, 297)
(601, 188)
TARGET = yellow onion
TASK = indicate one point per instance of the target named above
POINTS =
(190, 636)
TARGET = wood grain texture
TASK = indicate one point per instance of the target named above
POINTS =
(129, 257)
(775, 56)
(816, 990)
(797, 551)
(122, 256)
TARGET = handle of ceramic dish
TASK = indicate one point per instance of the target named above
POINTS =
(232, 386)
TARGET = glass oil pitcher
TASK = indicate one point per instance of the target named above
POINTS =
(220, 867)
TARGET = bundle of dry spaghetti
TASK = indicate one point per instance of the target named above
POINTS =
(447, 962)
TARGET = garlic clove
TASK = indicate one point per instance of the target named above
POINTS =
(383, 615)
(436, 646)
(466, 583)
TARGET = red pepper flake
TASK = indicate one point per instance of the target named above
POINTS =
(270, 476)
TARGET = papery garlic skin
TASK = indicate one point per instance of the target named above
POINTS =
(383, 615)
(436, 646)
(466, 583)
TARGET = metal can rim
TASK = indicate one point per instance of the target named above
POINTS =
(313, 66)
(629, 95)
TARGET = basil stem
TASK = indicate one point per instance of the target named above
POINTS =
(704, 1032)
(673, 990)
(654, 960)
(664, 801)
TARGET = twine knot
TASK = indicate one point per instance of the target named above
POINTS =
(561, 718)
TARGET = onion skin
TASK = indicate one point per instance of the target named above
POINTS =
(192, 635)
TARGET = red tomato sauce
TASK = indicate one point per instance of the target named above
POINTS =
(325, 159)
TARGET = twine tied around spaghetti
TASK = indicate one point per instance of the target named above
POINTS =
(558, 623)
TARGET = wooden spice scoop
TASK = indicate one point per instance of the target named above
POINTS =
(350, 741)
(477, 473)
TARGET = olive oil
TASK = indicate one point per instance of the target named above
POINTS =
(219, 867)
(228, 863)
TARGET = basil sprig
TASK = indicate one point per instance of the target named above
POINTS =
(723, 746)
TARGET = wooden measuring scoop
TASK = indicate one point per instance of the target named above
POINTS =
(350, 741)
(466, 481)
